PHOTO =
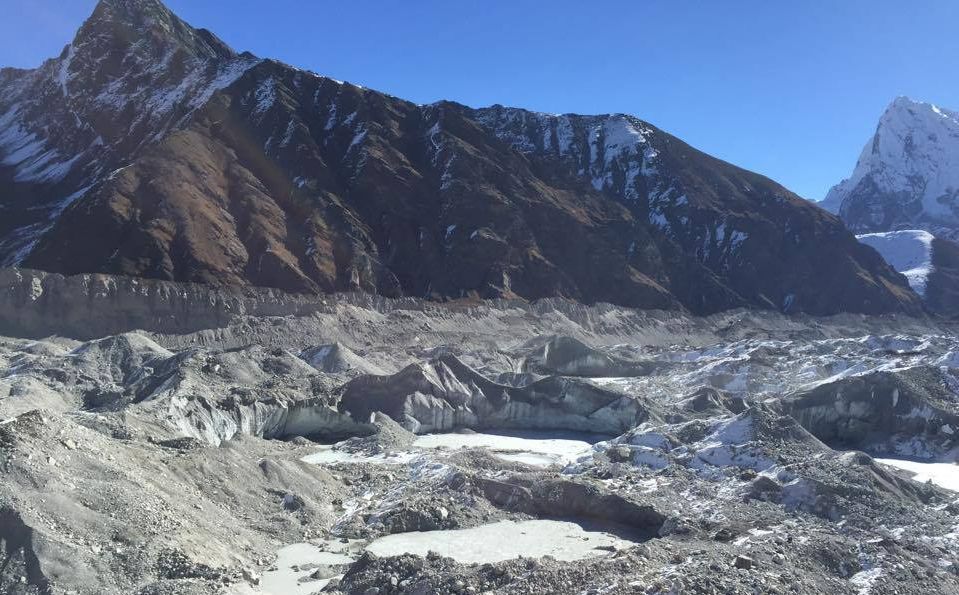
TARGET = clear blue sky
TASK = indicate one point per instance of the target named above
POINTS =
(792, 90)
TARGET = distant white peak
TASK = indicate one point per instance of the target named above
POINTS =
(914, 151)
(916, 116)
(908, 251)
(912, 105)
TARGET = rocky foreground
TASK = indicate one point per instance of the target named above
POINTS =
(351, 445)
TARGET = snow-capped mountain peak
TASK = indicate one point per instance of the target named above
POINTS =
(907, 174)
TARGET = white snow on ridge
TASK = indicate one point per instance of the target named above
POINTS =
(617, 150)
(33, 160)
(619, 138)
(908, 251)
(265, 96)
(63, 74)
(226, 76)
(35, 157)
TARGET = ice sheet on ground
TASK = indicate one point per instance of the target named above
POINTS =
(327, 455)
(539, 449)
(504, 540)
(865, 579)
(944, 475)
(285, 580)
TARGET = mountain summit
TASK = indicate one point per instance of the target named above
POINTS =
(132, 74)
(149, 148)
(907, 176)
(148, 26)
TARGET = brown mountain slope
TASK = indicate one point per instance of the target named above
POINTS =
(238, 171)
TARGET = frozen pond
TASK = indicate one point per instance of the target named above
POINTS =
(297, 562)
(945, 475)
(540, 449)
(328, 456)
(495, 542)
(504, 540)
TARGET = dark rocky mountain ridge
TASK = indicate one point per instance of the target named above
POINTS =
(151, 149)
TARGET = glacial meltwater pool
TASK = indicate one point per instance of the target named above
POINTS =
(535, 448)
(495, 542)
(294, 565)
(328, 455)
(504, 540)
(539, 449)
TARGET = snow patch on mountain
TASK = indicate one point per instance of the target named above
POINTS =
(616, 147)
(908, 251)
(619, 141)
(40, 158)
(62, 117)
(63, 73)
(614, 152)
(60, 124)
(226, 75)
(265, 97)
(32, 159)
